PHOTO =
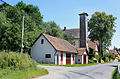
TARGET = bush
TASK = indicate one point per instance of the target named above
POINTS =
(97, 57)
(90, 61)
(108, 56)
(106, 59)
(115, 74)
(14, 60)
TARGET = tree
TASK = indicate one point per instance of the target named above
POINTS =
(101, 27)
(10, 29)
(11, 26)
(30, 10)
(53, 29)
(9, 33)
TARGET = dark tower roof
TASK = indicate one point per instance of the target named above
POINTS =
(83, 14)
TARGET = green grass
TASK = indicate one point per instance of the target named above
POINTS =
(24, 74)
(115, 74)
(47, 64)
(78, 65)
(69, 65)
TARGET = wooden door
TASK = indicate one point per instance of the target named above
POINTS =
(84, 59)
(68, 58)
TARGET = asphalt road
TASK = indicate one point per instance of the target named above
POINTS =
(100, 71)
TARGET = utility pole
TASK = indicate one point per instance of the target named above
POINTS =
(22, 46)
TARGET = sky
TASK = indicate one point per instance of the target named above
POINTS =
(65, 12)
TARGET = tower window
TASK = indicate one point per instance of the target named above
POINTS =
(42, 41)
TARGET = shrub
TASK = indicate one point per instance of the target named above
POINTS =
(14, 60)
(106, 59)
(115, 74)
(97, 57)
(90, 61)
(109, 55)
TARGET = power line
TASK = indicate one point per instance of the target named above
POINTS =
(21, 11)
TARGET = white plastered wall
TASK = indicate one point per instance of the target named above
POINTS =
(82, 60)
(39, 50)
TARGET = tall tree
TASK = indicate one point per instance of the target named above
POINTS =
(11, 26)
(53, 29)
(30, 10)
(102, 27)
(10, 29)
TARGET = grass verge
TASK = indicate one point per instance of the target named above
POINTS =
(22, 74)
(115, 74)
(78, 65)
(69, 65)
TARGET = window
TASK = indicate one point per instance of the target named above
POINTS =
(48, 56)
(42, 41)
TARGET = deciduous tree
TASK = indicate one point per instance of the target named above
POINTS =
(102, 27)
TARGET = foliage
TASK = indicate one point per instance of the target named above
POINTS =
(91, 53)
(15, 61)
(115, 74)
(106, 59)
(9, 30)
(90, 61)
(69, 38)
(101, 27)
(97, 57)
(30, 10)
(11, 25)
(108, 56)
(117, 49)
(18, 66)
(53, 29)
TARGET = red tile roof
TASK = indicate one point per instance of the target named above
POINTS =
(92, 44)
(112, 51)
(81, 51)
(60, 44)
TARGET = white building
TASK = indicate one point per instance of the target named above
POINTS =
(48, 49)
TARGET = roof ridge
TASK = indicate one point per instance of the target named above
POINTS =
(52, 36)
(61, 42)
(59, 39)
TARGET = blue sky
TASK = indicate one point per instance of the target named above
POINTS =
(65, 12)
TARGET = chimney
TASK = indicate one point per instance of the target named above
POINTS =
(83, 30)
(64, 29)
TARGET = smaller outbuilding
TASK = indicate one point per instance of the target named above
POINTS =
(49, 49)
(82, 56)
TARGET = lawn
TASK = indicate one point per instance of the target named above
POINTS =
(23, 74)
(78, 65)
(69, 65)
